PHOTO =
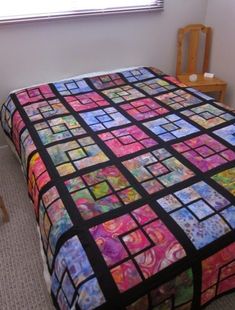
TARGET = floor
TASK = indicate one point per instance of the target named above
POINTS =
(22, 284)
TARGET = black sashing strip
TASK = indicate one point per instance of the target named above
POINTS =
(154, 137)
(197, 283)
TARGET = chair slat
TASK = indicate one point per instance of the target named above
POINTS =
(180, 43)
(207, 49)
(193, 51)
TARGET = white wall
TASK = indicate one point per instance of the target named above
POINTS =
(221, 17)
(43, 51)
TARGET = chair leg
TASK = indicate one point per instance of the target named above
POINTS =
(4, 211)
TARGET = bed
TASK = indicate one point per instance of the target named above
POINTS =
(132, 179)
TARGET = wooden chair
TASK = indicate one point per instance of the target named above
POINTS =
(4, 211)
(193, 33)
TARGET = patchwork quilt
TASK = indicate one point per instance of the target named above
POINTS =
(132, 178)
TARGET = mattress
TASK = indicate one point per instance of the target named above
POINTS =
(132, 178)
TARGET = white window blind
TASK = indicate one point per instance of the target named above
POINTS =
(13, 10)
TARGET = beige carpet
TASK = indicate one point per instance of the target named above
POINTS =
(2, 138)
(21, 274)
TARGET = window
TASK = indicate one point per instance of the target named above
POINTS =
(16, 10)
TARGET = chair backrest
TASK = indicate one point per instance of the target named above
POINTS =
(193, 33)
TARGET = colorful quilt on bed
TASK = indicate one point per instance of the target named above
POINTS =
(132, 176)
